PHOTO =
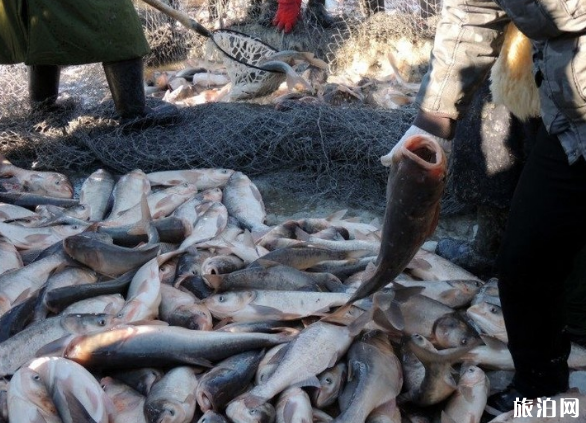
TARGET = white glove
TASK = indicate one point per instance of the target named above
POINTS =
(414, 130)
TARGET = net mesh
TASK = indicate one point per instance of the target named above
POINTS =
(322, 143)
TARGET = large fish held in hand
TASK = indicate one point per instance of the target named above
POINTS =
(414, 188)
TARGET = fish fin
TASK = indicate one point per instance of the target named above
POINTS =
(402, 293)
(301, 235)
(265, 263)
(385, 302)
(151, 322)
(356, 326)
(267, 311)
(337, 215)
(56, 347)
(418, 263)
(76, 409)
(338, 316)
(446, 418)
(311, 381)
(222, 323)
(493, 343)
(466, 392)
(23, 296)
(197, 361)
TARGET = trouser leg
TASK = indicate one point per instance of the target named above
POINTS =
(546, 228)
(126, 82)
(43, 84)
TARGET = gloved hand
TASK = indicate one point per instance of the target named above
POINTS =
(414, 130)
(287, 14)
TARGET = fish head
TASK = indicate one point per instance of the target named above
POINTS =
(250, 409)
(193, 316)
(451, 331)
(205, 399)
(88, 323)
(165, 411)
(224, 304)
(212, 417)
(168, 270)
(27, 383)
(472, 376)
(212, 194)
(51, 184)
(331, 382)
(486, 314)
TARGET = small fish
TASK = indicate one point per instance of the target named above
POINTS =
(429, 266)
(128, 404)
(293, 405)
(254, 305)
(128, 191)
(51, 184)
(9, 257)
(468, 402)
(179, 308)
(438, 383)
(128, 346)
(95, 194)
(76, 393)
(141, 380)
(38, 238)
(331, 383)
(172, 399)
(244, 202)
(202, 178)
(98, 253)
(226, 380)
(375, 377)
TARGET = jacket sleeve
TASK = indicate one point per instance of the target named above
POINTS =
(468, 39)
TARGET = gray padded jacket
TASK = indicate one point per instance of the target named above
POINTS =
(468, 39)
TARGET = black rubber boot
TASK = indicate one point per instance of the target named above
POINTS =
(316, 10)
(126, 82)
(530, 385)
(43, 85)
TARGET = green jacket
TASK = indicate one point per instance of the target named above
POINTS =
(69, 32)
(468, 39)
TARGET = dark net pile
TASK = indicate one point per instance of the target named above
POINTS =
(315, 149)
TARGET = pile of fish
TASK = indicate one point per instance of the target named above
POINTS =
(164, 297)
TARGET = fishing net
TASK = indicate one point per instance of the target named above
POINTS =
(327, 144)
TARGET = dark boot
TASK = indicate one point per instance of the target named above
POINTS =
(529, 385)
(477, 256)
(43, 85)
(316, 10)
(126, 82)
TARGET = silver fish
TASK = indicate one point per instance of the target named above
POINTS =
(24, 346)
(172, 399)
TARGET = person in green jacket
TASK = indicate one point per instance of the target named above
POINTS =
(49, 34)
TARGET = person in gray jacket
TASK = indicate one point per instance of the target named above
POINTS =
(546, 225)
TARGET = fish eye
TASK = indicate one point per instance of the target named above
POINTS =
(329, 380)
(57, 182)
(253, 411)
(493, 309)
(102, 322)
(172, 412)
(221, 298)
(464, 341)
(471, 370)
(36, 377)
